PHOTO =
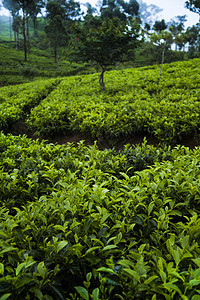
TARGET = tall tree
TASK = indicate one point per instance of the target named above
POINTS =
(110, 9)
(160, 25)
(193, 38)
(194, 6)
(131, 8)
(13, 8)
(24, 5)
(17, 21)
(90, 9)
(163, 40)
(106, 42)
(176, 28)
(119, 9)
(34, 9)
(148, 12)
(60, 16)
(55, 28)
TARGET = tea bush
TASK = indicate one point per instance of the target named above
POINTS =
(80, 223)
(137, 101)
(17, 101)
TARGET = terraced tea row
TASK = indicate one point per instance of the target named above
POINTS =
(17, 101)
(136, 101)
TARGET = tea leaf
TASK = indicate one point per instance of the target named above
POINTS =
(150, 279)
(37, 293)
(61, 245)
(109, 247)
(103, 269)
(95, 294)
(91, 250)
(133, 274)
(197, 261)
(196, 297)
(82, 292)
(19, 268)
(5, 296)
(1, 269)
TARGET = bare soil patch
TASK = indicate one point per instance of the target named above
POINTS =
(21, 128)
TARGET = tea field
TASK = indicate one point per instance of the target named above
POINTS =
(79, 223)
(13, 69)
(136, 102)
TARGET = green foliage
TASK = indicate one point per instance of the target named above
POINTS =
(105, 42)
(80, 223)
(39, 66)
(160, 25)
(28, 71)
(17, 101)
(136, 101)
(193, 5)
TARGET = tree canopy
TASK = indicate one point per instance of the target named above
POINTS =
(160, 25)
(105, 41)
(193, 5)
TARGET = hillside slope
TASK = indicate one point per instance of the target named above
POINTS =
(137, 102)
(13, 69)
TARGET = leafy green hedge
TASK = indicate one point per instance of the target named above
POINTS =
(17, 101)
(136, 100)
(80, 223)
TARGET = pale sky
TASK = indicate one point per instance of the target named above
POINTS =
(171, 9)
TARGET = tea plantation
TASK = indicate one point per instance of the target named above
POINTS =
(79, 223)
(137, 101)
(13, 69)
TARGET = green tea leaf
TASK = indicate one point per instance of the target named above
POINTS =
(133, 274)
(150, 279)
(109, 247)
(82, 292)
(41, 269)
(8, 249)
(1, 269)
(103, 269)
(19, 268)
(163, 276)
(196, 297)
(37, 293)
(172, 286)
(95, 294)
(91, 250)
(197, 261)
(61, 245)
(5, 296)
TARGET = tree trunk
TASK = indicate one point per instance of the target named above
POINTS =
(55, 54)
(101, 79)
(27, 34)
(162, 61)
(35, 25)
(49, 49)
(10, 25)
(17, 40)
(15, 36)
(24, 33)
(58, 58)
